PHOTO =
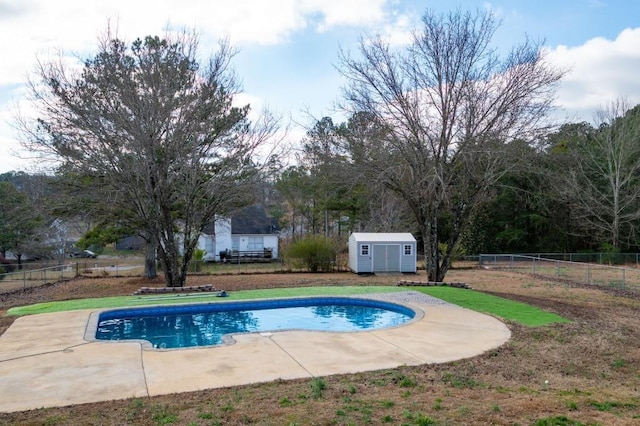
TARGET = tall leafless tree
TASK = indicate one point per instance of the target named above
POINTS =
(151, 137)
(452, 110)
(602, 178)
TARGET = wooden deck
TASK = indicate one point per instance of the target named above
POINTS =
(247, 256)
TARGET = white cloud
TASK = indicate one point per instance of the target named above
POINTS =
(600, 71)
(345, 12)
(42, 26)
(399, 32)
(13, 156)
(257, 104)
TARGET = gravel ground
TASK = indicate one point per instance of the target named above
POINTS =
(408, 297)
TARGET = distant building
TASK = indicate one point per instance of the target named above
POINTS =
(249, 232)
(371, 252)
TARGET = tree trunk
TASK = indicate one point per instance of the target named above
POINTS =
(432, 254)
(171, 269)
(150, 269)
(175, 263)
(326, 223)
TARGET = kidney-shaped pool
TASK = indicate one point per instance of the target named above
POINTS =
(183, 326)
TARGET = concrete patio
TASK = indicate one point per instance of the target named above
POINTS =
(45, 360)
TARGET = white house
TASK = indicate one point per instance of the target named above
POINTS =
(371, 252)
(249, 232)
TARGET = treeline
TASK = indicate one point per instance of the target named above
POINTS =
(24, 226)
(577, 190)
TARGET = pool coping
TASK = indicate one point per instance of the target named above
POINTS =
(45, 361)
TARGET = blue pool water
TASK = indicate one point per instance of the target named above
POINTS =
(205, 324)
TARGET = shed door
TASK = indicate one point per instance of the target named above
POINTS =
(386, 258)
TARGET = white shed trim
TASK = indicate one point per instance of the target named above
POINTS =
(388, 237)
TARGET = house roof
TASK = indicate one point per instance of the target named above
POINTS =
(247, 221)
(209, 228)
(383, 237)
(253, 220)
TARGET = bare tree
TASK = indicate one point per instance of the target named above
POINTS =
(451, 110)
(602, 177)
(151, 138)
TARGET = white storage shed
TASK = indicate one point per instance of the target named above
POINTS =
(371, 252)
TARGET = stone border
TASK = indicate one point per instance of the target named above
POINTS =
(407, 283)
(185, 289)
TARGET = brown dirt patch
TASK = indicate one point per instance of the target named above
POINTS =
(587, 371)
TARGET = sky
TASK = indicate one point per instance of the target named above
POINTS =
(288, 49)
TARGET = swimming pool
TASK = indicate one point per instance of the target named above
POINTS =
(182, 326)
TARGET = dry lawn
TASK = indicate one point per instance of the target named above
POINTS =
(584, 372)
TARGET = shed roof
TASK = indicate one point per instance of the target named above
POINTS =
(383, 237)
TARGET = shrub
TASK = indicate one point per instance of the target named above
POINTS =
(197, 260)
(314, 253)
(318, 385)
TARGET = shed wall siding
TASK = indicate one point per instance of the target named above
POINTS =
(408, 262)
(365, 263)
(353, 254)
(386, 257)
(380, 249)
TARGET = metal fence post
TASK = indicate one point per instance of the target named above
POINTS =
(588, 273)
(624, 278)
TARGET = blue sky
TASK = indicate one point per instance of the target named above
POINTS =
(288, 48)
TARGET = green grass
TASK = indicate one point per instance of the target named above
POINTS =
(477, 301)
(172, 299)
(504, 308)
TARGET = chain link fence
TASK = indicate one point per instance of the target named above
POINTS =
(623, 278)
(239, 266)
(29, 277)
(33, 277)
(26, 278)
(619, 259)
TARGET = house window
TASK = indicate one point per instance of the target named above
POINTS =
(235, 243)
(255, 244)
(408, 249)
(364, 250)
